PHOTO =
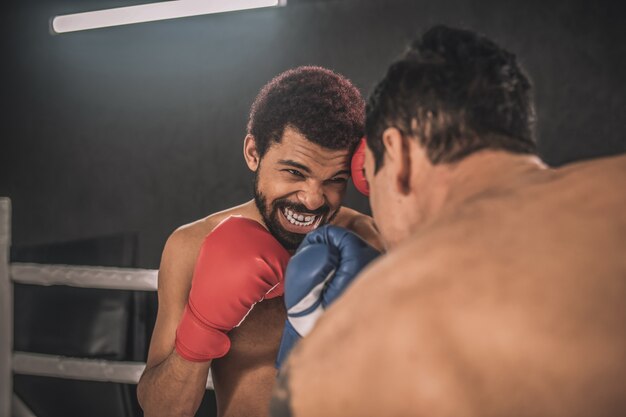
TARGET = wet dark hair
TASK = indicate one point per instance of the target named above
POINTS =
(457, 92)
(320, 104)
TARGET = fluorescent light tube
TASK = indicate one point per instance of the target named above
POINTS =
(153, 11)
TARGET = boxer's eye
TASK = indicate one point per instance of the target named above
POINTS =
(294, 172)
(337, 180)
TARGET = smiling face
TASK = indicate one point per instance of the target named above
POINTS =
(298, 185)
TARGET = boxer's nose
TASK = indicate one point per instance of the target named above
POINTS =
(312, 195)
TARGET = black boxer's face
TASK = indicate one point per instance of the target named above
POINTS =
(298, 186)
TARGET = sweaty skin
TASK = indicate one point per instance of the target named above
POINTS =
(510, 302)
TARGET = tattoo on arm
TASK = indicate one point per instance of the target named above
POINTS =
(280, 404)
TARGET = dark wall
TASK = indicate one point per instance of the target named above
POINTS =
(139, 128)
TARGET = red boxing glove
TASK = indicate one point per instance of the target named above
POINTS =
(358, 178)
(240, 263)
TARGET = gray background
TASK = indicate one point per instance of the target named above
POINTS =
(139, 128)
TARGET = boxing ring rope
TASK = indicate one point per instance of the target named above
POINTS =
(25, 363)
(85, 277)
(6, 311)
(76, 368)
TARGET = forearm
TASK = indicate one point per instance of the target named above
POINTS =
(174, 387)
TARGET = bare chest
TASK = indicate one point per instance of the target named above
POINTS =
(244, 378)
(261, 331)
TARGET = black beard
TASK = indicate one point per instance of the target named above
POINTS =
(289, 240)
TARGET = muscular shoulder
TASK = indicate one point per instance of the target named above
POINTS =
(183, 246)
(178, 260)
(361, 224)
(596, 180)
(607, 166)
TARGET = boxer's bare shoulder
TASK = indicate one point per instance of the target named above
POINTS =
(361, 224)
(184, 243)
(600, 167)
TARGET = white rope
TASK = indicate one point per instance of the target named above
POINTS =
(77, 368)
(82, 369)
(85, 276)
(5, 221)
(6, 310)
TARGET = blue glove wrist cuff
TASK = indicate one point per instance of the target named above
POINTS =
(288, 341)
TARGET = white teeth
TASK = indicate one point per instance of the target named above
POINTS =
(299, 219)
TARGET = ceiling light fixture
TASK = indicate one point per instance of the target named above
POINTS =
(152, 12)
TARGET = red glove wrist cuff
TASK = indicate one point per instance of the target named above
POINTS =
(197, 342)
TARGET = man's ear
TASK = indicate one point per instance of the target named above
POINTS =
(399, 159)
(251, 153)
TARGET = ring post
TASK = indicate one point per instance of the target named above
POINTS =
(6, 310)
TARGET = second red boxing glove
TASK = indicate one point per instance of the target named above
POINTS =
(356, 166)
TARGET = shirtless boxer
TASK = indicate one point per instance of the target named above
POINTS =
(502, 291)
(303, 128)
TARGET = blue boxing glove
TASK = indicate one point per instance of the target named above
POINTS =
(324, 265)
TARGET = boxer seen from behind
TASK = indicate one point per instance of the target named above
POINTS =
(502, 291)
(304, 126)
